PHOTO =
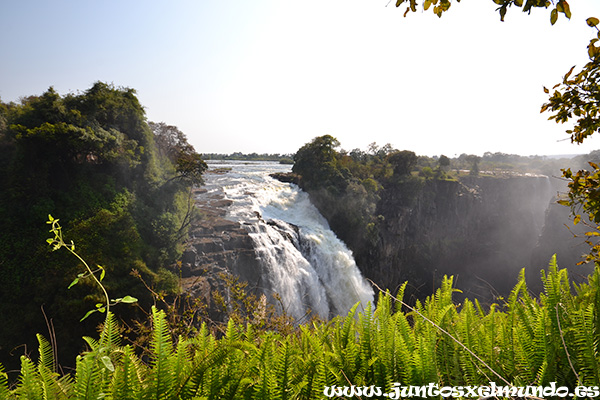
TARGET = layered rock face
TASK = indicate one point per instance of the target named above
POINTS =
(216, 247)
(481, 230)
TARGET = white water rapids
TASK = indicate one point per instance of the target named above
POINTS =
(302, 259)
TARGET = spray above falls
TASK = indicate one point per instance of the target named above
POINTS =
(301, 259)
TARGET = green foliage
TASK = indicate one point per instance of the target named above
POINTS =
(403, 162)
(577, 99)
(57, 242)
(525, 341)
(92, 158)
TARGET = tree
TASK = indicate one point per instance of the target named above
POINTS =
(474, 161)
(444, 162)
(173, 144)
(402, 162)
(317, 163)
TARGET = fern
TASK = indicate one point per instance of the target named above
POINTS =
(587, 355)
(110, 336)
(128, 379)
(4, 391)
(161, 379)
(29, 386)
(88, 377)
(52, 386)
(283, 371)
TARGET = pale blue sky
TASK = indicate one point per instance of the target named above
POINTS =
(270, 75)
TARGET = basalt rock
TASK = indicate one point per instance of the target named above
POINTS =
(216, 248)
(482, 230)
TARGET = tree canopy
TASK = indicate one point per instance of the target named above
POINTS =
(120, 188)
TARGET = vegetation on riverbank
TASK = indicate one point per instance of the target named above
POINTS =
(523, 341)
(122, 188)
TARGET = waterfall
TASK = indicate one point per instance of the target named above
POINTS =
(303, 261)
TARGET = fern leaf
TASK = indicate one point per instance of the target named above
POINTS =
(128, 379)
(111, 335)
(30, 382)
(162, 378)
(88, 379)
(4, 391)
(283, 366)
(46, 359)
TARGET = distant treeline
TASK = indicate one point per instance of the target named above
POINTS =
(489, 163)
(282, 158)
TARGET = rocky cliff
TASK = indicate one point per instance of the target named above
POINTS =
(217, 248)
(482, 230)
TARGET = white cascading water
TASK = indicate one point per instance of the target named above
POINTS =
(302, 259)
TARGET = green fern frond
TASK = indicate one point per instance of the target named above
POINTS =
(93, 343)
(205, 362)
(110, 336)
(46, 359)
(128, 379)
(587, 355)
(4, 391)
(88, 381)
(283, 371)
(30, 382)
(52, 386)
(162, 379)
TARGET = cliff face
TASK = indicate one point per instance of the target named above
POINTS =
(217, 248)
(482, 230)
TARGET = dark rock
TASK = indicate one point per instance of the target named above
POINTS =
(216, 247)
(286, 177)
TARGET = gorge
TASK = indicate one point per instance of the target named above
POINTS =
(482, 230)
(269, 234)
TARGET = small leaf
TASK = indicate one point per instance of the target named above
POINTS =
(569, 73)
(129, 299)
(546, 90)
(567, 9)
(502, 13)
(553, 16)
(102, 273)
(75, 281)
(592, 21)
(98, 305)
(87, 314)
(108, 363)
(577, 219)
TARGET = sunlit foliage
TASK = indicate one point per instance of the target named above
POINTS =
(92, 159)
(522, 341)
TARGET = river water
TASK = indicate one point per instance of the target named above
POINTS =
(304, 262)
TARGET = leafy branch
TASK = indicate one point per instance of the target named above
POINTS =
(57, 242)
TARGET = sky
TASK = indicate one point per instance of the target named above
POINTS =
(267, 76)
